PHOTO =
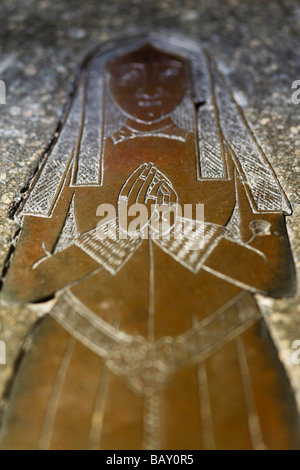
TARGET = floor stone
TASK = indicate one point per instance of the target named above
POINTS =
(42, 45)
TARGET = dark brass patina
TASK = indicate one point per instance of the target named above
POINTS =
(148, 344)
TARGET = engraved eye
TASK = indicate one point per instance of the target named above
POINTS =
(169, 73)
(130, 76)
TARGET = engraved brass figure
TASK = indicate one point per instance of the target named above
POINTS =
(150, 344)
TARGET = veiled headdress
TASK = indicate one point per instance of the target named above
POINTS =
(208, 109)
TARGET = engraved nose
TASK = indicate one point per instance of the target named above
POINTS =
(149, 93)
(149, 89)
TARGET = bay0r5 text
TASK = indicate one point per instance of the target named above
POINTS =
(171, 459)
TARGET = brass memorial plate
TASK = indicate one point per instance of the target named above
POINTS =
(152, 222)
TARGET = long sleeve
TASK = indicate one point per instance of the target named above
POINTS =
(255, 252)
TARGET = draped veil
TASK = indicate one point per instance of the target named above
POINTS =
(208, 109)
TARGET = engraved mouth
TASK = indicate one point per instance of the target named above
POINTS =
(149, 104)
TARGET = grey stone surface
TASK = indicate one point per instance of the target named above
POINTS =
(42, 44)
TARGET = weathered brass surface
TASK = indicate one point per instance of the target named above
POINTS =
(151, 345)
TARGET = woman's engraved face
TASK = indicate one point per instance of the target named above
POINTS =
(147, 84)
